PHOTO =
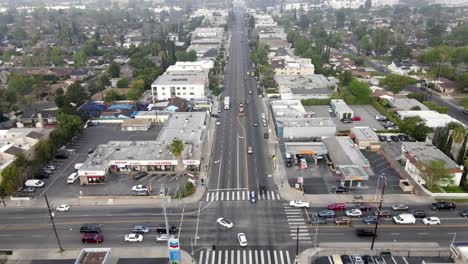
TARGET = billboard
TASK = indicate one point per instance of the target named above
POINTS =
(174, 250)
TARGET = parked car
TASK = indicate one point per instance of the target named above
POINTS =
(399, 207)
(61, 156)
(90, 228)
(242, 239)
(364, 207)
(403, 137)
(92, 238)
(418, 213)
(362, 232)
(380, 260)
(358, 259)
(337, 207)
(353, 212)
(407, 219)
(225, 223)
(140, 229)
(34, 183)
(356, 118)
(299, 203)
(464, 213)
(347, 259)
(326, 214)
(26, 189)
(140, 188)
(394, 138)
(162, 237)
(344, 220)
(42, 176)
(339, 189)
(443, 206)
(370, 219)
(368, 259)
(50, 167)
(383, 213)
(382, 138)
(431, 220)
(139, 175)
(161, 229)
(133, 238)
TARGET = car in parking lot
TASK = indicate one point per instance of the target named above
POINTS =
(358, 259)
(90, 228)
(34, 183)
(370, 219)
(363, 232)
(394, 138)
(140, 188)
(406, 219)
(443, 206)
(299, 203)
(399, 207)
(339, 189)
(140, 229)
(431, 220)
(61, 156)
(242, 239)
(162, 191)
(133, 238)
(389, 139)
(26, 189)
(225, 223)
(326, 214)
(403, 137)
(418, 213)
(353, 212)
(382, 138)
(249, 150)
(368, 259)
(337, 207)
(50, 167)
(380, 260)
(356, 118)
(42, 176)
(92, 238)
(347, 259)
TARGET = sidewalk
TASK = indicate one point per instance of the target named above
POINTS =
(116, 253)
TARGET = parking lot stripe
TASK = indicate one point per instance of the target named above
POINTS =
(222, 196)
(268, 257)
(207, 257)
(232, 256)
(200, 259)
(288, 260)
(244, 256)
(256, 256)
(275, 256)
(219, 256)
(281, 256)
(279, 198)
(250, 256)
(226, 256)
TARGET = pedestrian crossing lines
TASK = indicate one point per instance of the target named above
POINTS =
(296, 221)
(239, 196)
(245, 257)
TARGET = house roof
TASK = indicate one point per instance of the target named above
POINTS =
(422, 151)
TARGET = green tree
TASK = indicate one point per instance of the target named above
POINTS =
(10, 179)
(56, 56)
(122, 83)
(114, 70)
(381, 40)
(186, 56)
(68, 127)
(44, 151)
(112, 96)
(176, 147)
(464, 102)
(80, 58)
(436, 107)
(434, 173)
(136, 90)
(396, 83)
(361, 91)
(346, 78)
(401, 51)
(365, 44)
(414, 127)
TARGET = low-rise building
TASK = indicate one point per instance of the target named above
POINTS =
(341, 109)
(415, 152)
(301, 87)
(431, 118)
(292, 66)
(45, 113)
(365, 137)
(402, 67)
(350, 165)
(288, 108)
(406, 104)
(184, 84)
(305, 127)
(139, 124)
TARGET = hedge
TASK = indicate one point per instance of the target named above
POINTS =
(313, 101)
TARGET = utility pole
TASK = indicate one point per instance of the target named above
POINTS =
(378, 214)
(51, 215)
(296, 260)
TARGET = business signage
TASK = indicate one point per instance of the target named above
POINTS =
(144, 162)
(191, 162)
(174, 250)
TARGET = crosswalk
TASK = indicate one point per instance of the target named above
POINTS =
(295, 218)
(237, 195)
(245, 257)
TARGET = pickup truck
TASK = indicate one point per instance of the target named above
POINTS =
(443, 206)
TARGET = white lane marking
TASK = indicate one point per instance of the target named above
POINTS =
(207, 257)
(278, 196)
(423, 233)
(331, 234)
(394, 261)
(256, 256)
(201, 257)
(238, 196)
(250, 256)
(227, 196)
(281, 256)
(268, 195)
(274, 256)
(404, 259)
(261, 257)
(300, 234)
(244, 256)
(287, 257)
(243, 195)
(219, 256)
(238, 256)
(207, 197)
(213, 258)
(268, 256)
(232, 256)
(226, 255)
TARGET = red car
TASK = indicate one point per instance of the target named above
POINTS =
(356, 118)
(337, 207)
(92, 238)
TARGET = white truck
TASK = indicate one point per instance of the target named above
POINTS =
(405, 219)
(226, 102)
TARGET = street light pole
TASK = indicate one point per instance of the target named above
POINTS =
(51, 215)
(378, 214)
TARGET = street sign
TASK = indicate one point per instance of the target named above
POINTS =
(174, 250)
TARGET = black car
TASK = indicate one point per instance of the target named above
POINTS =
(88, 228)
(382, 138)
(394, 138)
(362, 232)
(42, 176)
(61, 156)
(162, 229)
(368, 259)
(443, 206)
(215, 115)
(370, 219)
(403, 137)
(464, 213)
(418, 213)
(139, 175)
(338, 189)
(262, 190)
(347, 259)
(364, 207)
(26, 189)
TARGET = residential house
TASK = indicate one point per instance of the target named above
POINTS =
(402, 67)
(41, 114)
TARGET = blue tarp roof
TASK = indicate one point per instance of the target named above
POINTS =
(120, 106)
(134, 113)
(171, 108)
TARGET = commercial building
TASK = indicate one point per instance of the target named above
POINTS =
(305, 86)
(94, 256)
(305, 127)
(365, 138)
(200, 65)
(415, 152)
(431, 118)
(288, 108)
(406, 104)
(288, 65)
(136, 124)
(350, 165)
(129, 157)
(341, 109)
(184, 84)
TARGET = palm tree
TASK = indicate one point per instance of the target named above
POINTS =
(176, 148)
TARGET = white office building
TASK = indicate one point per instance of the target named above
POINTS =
(184, 84)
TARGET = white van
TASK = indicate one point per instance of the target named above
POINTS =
(72, 178)
(405, 219)
(78, 166)
(34, 183)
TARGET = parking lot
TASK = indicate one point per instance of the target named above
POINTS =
(366, 112)
(56, 185)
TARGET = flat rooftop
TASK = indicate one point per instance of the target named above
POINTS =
(291, 108)
(305, 148)
(343, 151)
(305, 122)
(305, 82)
(422, 151)
(182, 78)
(407, 104)
(364, 134)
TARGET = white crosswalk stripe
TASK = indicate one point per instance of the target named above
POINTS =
(244, 196)
(298, 228)
(244, 257)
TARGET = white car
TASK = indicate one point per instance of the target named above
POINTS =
(249, 150)
(263, 115)
(218, 123)
(224, 222)
(63, 208)
(242, 239)
(133, 238)
(354, 212)
(140, 188)
(399, 207)
(432, 220)
(298, 203)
